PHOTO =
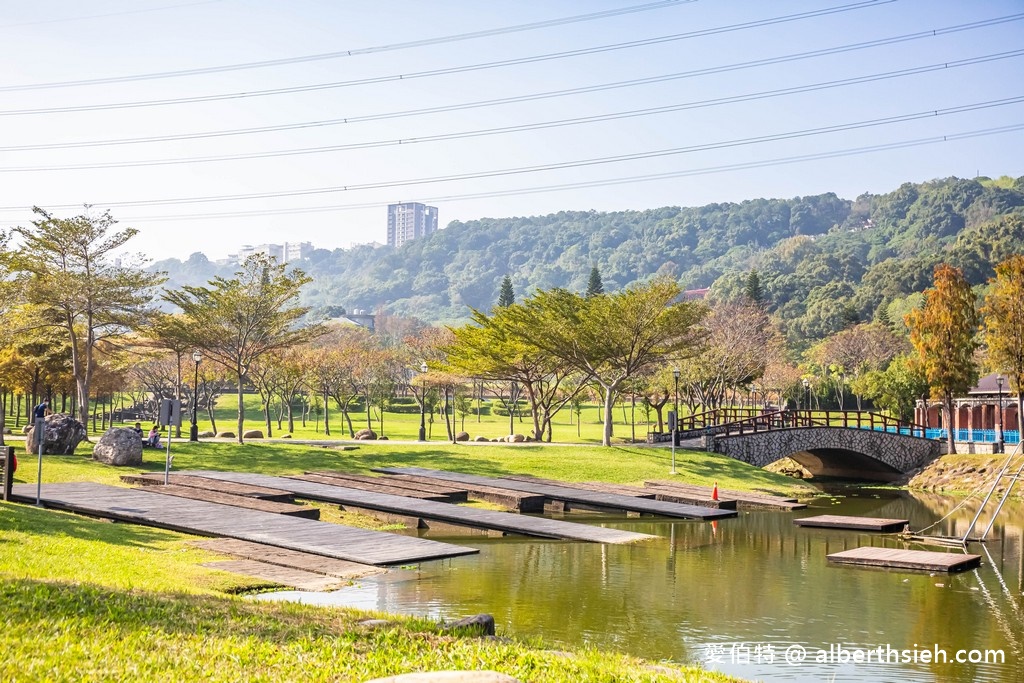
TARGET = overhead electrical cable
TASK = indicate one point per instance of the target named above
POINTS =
(108, 14)
(453, 70)
(580, 120)
(525, 98)
(578, 163)
(632, 9)
(624, 180)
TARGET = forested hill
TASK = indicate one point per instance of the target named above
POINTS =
(821, 260)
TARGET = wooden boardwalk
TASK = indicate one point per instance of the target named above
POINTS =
(744, 500)
(316, 564)
(859, 523)
(260, 504)
(595, 499)
(432, 510)
(261, 492)
(212, 519)
(452, 495)
(517, 501)
(923, 560)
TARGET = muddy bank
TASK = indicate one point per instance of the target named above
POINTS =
(960, 473)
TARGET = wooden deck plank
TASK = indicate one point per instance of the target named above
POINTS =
(745, 500)
(847, 522)
(442, 512)
(600, 486)
(375, 488)
(452, 495)
(262, 492)
(212, 519)
(284, 576)
(611, 501)
(507, 498)
(213, 496)
(894, 558)
(317, 564)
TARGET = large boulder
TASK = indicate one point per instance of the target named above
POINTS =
(119, 446)
(366, 435)
(462, 436)
(516, 438)
(61, 435)
(481, 438)
(226, 435)
(206, 435)
(252, 434)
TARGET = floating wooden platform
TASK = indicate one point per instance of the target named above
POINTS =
(860, 523)
(744, 500)
(923, 560)
(261, 492)
(623, 489)
(453, 495)
(315, 564)
(212, 519)
(260, 504)
(594, 499)
(516, 501)
(373, 488)
(442, 512)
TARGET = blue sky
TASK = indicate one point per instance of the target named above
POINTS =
(58, 41)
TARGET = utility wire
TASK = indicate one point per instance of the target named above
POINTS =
(580, 120)
(580, 163)
(522, 98)
(626, 180)
(454, 70)
(661, 4)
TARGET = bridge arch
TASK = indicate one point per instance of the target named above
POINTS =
(831, 451)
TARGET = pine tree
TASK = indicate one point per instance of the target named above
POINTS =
(882, 316)
(595, 287)
(507, 297)
(754, 291)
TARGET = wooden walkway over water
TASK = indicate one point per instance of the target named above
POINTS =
(880, 524)
(595, 499)
(427, 509)
(212, 519)
(921, 560)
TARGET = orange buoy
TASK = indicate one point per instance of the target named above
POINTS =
(714, 492)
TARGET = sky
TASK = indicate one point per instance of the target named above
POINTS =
(127, 106)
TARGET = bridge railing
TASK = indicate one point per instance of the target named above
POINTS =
(796, 419)
(719, 416)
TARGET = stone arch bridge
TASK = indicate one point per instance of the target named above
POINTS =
(850, 444)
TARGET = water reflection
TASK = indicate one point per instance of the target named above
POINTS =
(701, 589)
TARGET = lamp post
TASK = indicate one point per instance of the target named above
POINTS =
(807, 394)
(675, 405)
(193, 434)
(999, 424)
(423, 402)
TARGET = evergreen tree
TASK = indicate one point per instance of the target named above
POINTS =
(882, 316)
(595, 286)
(850, 316)
(754, 291)
(507, 297)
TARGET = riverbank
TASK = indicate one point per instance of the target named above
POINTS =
(94, 601)
(960, 474)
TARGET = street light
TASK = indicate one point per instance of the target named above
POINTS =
(423, 402)
(193, 434)
(807, 394)
(999, 432)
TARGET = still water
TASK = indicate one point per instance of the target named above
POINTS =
(747, 596)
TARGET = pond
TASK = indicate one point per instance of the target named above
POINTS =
(748, 596)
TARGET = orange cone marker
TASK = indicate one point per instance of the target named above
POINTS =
(714, 492)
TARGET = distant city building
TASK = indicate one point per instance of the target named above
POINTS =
(283, 253)
(410, 221)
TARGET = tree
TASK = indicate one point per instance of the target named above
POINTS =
(594, 285)
(236, 321)
(1004, 326)
(753, 290)
(79, 288)
(897, 387)
(943, 333)
(508, 295)
(612, 337)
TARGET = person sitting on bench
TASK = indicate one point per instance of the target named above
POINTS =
(153, 440)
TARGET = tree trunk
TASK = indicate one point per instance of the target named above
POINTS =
(609, 404)
(241, 408)
(327, 424)
(947, 401)
(291, 417)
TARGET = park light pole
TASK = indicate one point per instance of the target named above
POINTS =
(999, 424)
(807, 394)
(423, 402)
(675, 405)
(193, 434)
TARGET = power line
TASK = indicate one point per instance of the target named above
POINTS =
(661, 4)
(625, 180)
(737, 66)
(580, 163)
(103, 16)
(453, 70)
(580, 120)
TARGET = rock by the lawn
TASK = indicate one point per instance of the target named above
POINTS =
(119, 446)
(206, 435)
(481, 438)
(61, 435)
(26, 429)
(375, 623)
(366, 435)
(383, 438)
(478, 624)
(448, 677)
(286, 436)
(252, 434)
(462, 436)
(225, 435)
(516, 438)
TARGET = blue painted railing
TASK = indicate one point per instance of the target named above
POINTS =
(976, 435)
